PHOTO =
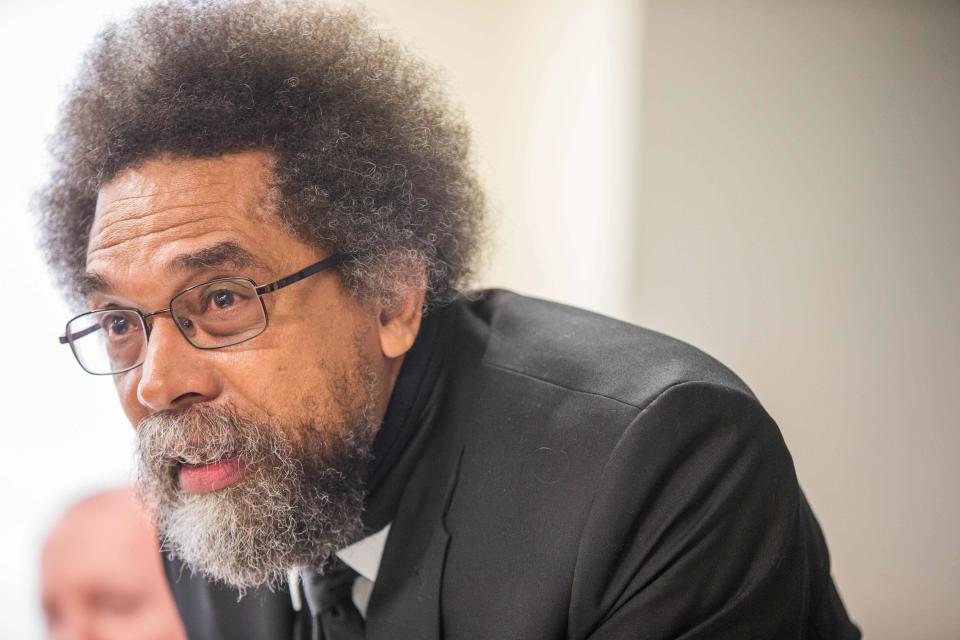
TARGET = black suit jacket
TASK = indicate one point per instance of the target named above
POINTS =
(589, 479)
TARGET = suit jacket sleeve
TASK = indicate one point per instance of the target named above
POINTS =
(699, 530)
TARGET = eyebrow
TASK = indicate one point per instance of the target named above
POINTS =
(92, 282)
(227, 253)
(222, 254)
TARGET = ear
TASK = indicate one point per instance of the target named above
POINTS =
(399, 323)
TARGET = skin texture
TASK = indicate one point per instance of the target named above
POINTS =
(102, 575)
(166, 207)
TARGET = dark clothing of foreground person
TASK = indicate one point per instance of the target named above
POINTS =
(571, 476)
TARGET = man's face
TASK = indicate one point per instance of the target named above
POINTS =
(102, 577)
(244, 446)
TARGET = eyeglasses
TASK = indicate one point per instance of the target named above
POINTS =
(212, 315)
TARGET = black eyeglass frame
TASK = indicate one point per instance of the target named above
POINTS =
(68, 337)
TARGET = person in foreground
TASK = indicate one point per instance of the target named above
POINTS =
(102, 578)
(266, 212)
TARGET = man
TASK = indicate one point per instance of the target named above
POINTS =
(102, 578)
(269, 210)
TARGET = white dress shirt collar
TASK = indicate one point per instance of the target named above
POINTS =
(363, 557)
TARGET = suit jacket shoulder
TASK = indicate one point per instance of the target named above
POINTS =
(590, 353)
(592, 479)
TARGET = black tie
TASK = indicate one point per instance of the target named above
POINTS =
(333, 616)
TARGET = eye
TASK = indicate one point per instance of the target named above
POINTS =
(223, 299)
(116, 325)
(115, 602)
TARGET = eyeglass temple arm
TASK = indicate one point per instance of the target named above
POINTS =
(80, 334)
(326, 263)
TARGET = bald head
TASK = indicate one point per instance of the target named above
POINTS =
(102, 574)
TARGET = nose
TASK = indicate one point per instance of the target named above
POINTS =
(175, 374)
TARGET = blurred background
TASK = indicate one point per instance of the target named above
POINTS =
(776, 182)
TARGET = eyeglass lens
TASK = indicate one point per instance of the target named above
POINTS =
(108, 341)
(219, 313)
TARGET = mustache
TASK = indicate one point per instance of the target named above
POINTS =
(202, 434)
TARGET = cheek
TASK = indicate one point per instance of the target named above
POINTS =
(276, 380)
(293, 372)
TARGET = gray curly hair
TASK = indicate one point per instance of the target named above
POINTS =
(370, 159)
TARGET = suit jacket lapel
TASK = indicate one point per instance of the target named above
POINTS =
(405, 602)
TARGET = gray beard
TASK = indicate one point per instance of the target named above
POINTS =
(298, 504)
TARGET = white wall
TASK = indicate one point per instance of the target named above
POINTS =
(801, 220)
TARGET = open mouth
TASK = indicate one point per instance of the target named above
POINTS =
(204, 477)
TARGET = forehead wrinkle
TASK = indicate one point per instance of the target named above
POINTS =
(116, 238)
(113, 210)
(167, 192)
